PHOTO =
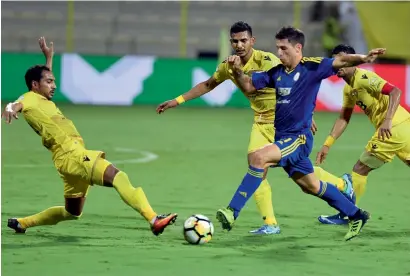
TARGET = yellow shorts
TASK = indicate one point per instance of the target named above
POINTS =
(80, 169)
(398, 145)
(262, 134)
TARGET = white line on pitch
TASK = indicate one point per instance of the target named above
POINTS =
(146, 157)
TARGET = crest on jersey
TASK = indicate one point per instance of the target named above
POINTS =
(296, 77)
(374, 81)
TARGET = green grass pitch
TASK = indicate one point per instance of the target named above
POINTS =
(196, 158)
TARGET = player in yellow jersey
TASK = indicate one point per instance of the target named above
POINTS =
(78, 167)
(263, 102)
(380, 101)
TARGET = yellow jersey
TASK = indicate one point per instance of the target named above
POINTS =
(263, 102)
(365, 91)
(58, 133)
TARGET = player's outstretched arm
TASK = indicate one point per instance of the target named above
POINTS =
(47, 51)
(342, 61)
(195, 92)
(11, 111)
(337, 130)
(394, 101)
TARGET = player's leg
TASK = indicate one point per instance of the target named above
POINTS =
(262, 135)
(340, 182)
(75, 191)
(358, 180)
(261, 159)
(377, 153)
(303, 175)
(105, 174)
(403, 131)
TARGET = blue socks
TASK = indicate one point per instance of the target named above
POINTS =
(336, 199)
(249, 185)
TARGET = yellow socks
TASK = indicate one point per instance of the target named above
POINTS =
(330, 178)
(134, 197)
(359, 185)
(263, 198)
(51, 216)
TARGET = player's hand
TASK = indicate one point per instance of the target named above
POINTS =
(321, 155)
(168, 104)
(47, 51)
(385, 130)
(234, 62)
(313, 127)
(8, 114)
(373, 54)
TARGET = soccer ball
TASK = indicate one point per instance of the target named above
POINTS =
(198, 229)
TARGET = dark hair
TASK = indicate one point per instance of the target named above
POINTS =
(292, 34)
(241, 26)
(34, 74)
(343, 48)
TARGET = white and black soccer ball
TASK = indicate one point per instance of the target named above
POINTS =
(198, 229)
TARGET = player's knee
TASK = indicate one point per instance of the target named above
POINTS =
(361, 168)
(74, 206)
(257, 159)
(366, 163)
(305, 190)
(109, 175)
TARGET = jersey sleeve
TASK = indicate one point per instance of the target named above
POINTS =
(221, 73)
(27, 100)
(325, 68)
(263, 79)
(272, 59)
(348, 100)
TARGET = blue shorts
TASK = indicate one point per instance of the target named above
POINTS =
(295, 151)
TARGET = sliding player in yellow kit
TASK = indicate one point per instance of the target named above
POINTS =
(78, 167)
(263, 102)
(380, 101)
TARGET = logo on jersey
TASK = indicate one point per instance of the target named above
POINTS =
(284, 91)
(374, 81)
(266, 58)
(374, 146)
(364, 77)
(283, 101)
(86, 158)
(296, 77)
(279, 78)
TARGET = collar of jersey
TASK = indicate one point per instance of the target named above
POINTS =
(249, 61)
(38, 95)
(354, 77)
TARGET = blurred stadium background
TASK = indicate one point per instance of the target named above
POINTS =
(159, 41)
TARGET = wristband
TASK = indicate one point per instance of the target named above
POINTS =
(9, 107)
(180, 99)
(329, 141)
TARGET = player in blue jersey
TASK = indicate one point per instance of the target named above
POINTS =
(297, 81)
